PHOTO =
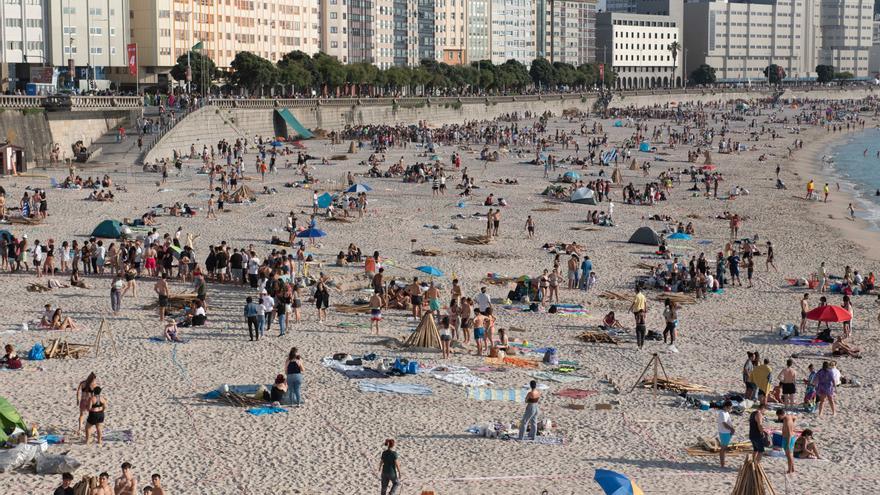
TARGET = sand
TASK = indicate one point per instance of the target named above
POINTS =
(332, 444)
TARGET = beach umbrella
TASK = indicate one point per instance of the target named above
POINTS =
(5, 234)
(325, 200)
(645, 146)
(358, 188)
(680, 235)
(614, 483)
(829, 313)
(571, 176)
(708, 167)
(430, 270)
(311, 233)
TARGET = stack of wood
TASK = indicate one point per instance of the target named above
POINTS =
(18, 220)
(60, 349)
(239, 400)
(676, 385)
(597, 338)
(338, 157)
(677, 298)
(176, 302)
(705, 448)
(644, 266)
(352, 309)
(426, 334)
(584, 229)
(33, 287)
(474, 240)
(428, 252)
(752, 480)
(617, 296)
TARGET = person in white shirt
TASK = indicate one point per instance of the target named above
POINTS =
(253, 267)
(835, 373)
(261, 318)
(483, 300)
(268, 303)
(725, 428)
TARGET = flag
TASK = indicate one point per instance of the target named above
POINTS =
(198, 47)
(132, 51)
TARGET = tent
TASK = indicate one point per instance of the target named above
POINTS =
(571, 176)
(5, 234)
(583, 195)
(426, 334)
(645, 235)
(616, 176)
(242, 194)
(9, 420)
(645, 147)
(109, 229)
(325, 200)
(618, 123)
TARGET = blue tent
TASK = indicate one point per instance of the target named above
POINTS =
(430, 270)
(680, 235)
(645, 146)
(6, 235)
(312, 233)
(325, 200)
(108, 229)
(358, 188)
(618, 123)
(571, 176)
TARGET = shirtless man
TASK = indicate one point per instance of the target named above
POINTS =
(157, 485)
(787, 378)
(496, 221)
(127, 483)
(455, 291)
(415, 293)
(489, 218)
(433, 296)
(103, 487)
(805, 307)
(788, 437)
(161, 289)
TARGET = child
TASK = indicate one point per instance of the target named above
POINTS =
(171, 331)
(591, 281)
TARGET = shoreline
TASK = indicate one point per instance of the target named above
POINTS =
(806, 164)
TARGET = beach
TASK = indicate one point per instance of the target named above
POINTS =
(332, 443)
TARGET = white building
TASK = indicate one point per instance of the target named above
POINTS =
(512, 31)
(636, 47)
(477, 30)
(846, 31)
(566, 31)
(24, 42)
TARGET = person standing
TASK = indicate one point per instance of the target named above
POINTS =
(770, 257)
(530, 416)
(322, 301)
(84, 398)
(375, 312)
(251, 315)
(65, 488)
(530, 227)
(638, 308)
(586, 269)
(670, 315)
(787, 379)
(389, 469)
(95, 419)
(116, 286)
(756, 432)
(725, 429)
(827, 192)
(294, 369)
(825, 387)
(789, 437)
(161, 290)
(127, 483)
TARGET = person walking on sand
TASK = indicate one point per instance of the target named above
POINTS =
(770, 258)
(810, 187)
(389, 469)
(805, 308)
(825, 388)
(530, 227)
(161, 290)
(725, 429)
(789, 437)
(84, 397)
(530, 416)
(852, 212)
(95, 419)
(638, 308)
(375, 312)
(211, 213)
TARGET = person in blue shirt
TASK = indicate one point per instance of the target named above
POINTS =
(251, 312)
(586, 268)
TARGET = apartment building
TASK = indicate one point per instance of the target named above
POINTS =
(671, 8)
(166, 29)
(477, 30)
(22, 32)
(637, 47)
(566, 31)
(846, 32)
(333, 29)
(451, 31)
(512, 31)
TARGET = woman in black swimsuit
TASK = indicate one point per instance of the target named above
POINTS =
(97, 406)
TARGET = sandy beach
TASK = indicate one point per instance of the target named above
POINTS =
(332, 443)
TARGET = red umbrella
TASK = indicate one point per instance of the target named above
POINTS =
(829, 313)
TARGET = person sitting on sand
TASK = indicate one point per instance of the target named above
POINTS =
(10, 360)
(61, 322)
(610, 322)
(805, 447)
(279, 389)
(171, 331)
(840, 348)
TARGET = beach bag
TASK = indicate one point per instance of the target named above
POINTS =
(553, 309)
(533, 307)
(37, 352)
(551, 356)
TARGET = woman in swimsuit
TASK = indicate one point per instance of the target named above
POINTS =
(530, 417)
(60, 322)
(84, 397)
(95, 419)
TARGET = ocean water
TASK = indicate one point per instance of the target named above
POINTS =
(859, 173)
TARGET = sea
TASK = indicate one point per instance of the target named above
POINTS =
(859, 172)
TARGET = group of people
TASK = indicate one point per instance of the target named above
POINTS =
(126, 484)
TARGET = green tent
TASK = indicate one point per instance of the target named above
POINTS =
(110, 229)
(9, 419)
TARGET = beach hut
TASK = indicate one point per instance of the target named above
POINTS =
(12, 160)
(426, 335)
(108, 229)
(645, 235)
(9, 420)
(584, 196)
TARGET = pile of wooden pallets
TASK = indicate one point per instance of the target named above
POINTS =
(645, 266)
(677, 298)
(676, 385)
(752, 480)
(175, 301)
(238, 400)
(60, 349)
(705, 448)
(597, 338)
(474, 240)
(617, 296)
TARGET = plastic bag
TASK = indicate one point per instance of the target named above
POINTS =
(17, 456)
(37, 352)
(56, 463)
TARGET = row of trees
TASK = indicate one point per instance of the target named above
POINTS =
(297, 72)
(775, 74)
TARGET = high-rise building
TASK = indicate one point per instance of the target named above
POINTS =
(636, 47)
(874, 62)
(451, 33)
(477, 30)
(671, 8)
(846, 29)
(167, 29)
(566, 31)
(24, 42)
(334, 29)
(512, 33)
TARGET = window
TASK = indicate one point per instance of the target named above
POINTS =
(113, 31)
(13, 22)
(68, 10)
(96, 50)
(112, 50)
(95, 11)
(69, 30)
(96, 31)
(164, 14)
(35, 23)
(13, 45)
(68, 50)
(34, 45)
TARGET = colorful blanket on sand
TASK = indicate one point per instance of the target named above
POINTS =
(556, 377)
(496, 394)
(521, 363)
(262, 411)
(394, 388)
(576, 393)
(464, 379)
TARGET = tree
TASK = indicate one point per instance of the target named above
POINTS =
(774, 73)
(543, 74)
(703, 75)
(252, 72)
(330, 73)
(296, 75)
(674, 48)
(844, 75)
(203, 68)
(589, 73)
(824, 73)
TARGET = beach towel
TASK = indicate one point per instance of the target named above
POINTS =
(806, 341)
(238, 389)
(518, 362)
(464, 379)
(262, 411)
(556, 377)
(496, 394)
(576, 393)
(124, 436)
(161, 340)
(545, 440)
(394, 388)
(359, 374)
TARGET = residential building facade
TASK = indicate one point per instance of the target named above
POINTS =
(512, 32)
(478, 30)
(333, 29)
(846, 33)
(636, 47)
(566, 31)
(451, 33)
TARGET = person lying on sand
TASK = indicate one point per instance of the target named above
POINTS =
(841, 348)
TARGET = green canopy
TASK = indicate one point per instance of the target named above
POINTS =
(9, 419)
(109, 229)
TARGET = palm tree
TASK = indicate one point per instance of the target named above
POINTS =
(674, 48)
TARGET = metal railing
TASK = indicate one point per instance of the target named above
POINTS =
(77, 103)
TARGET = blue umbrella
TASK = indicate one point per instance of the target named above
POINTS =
(430, 270)
(325, 200)
(358, 188)
(572, 176)
(614, 483)
(6, 235)
(312, 233)
(680, 235)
